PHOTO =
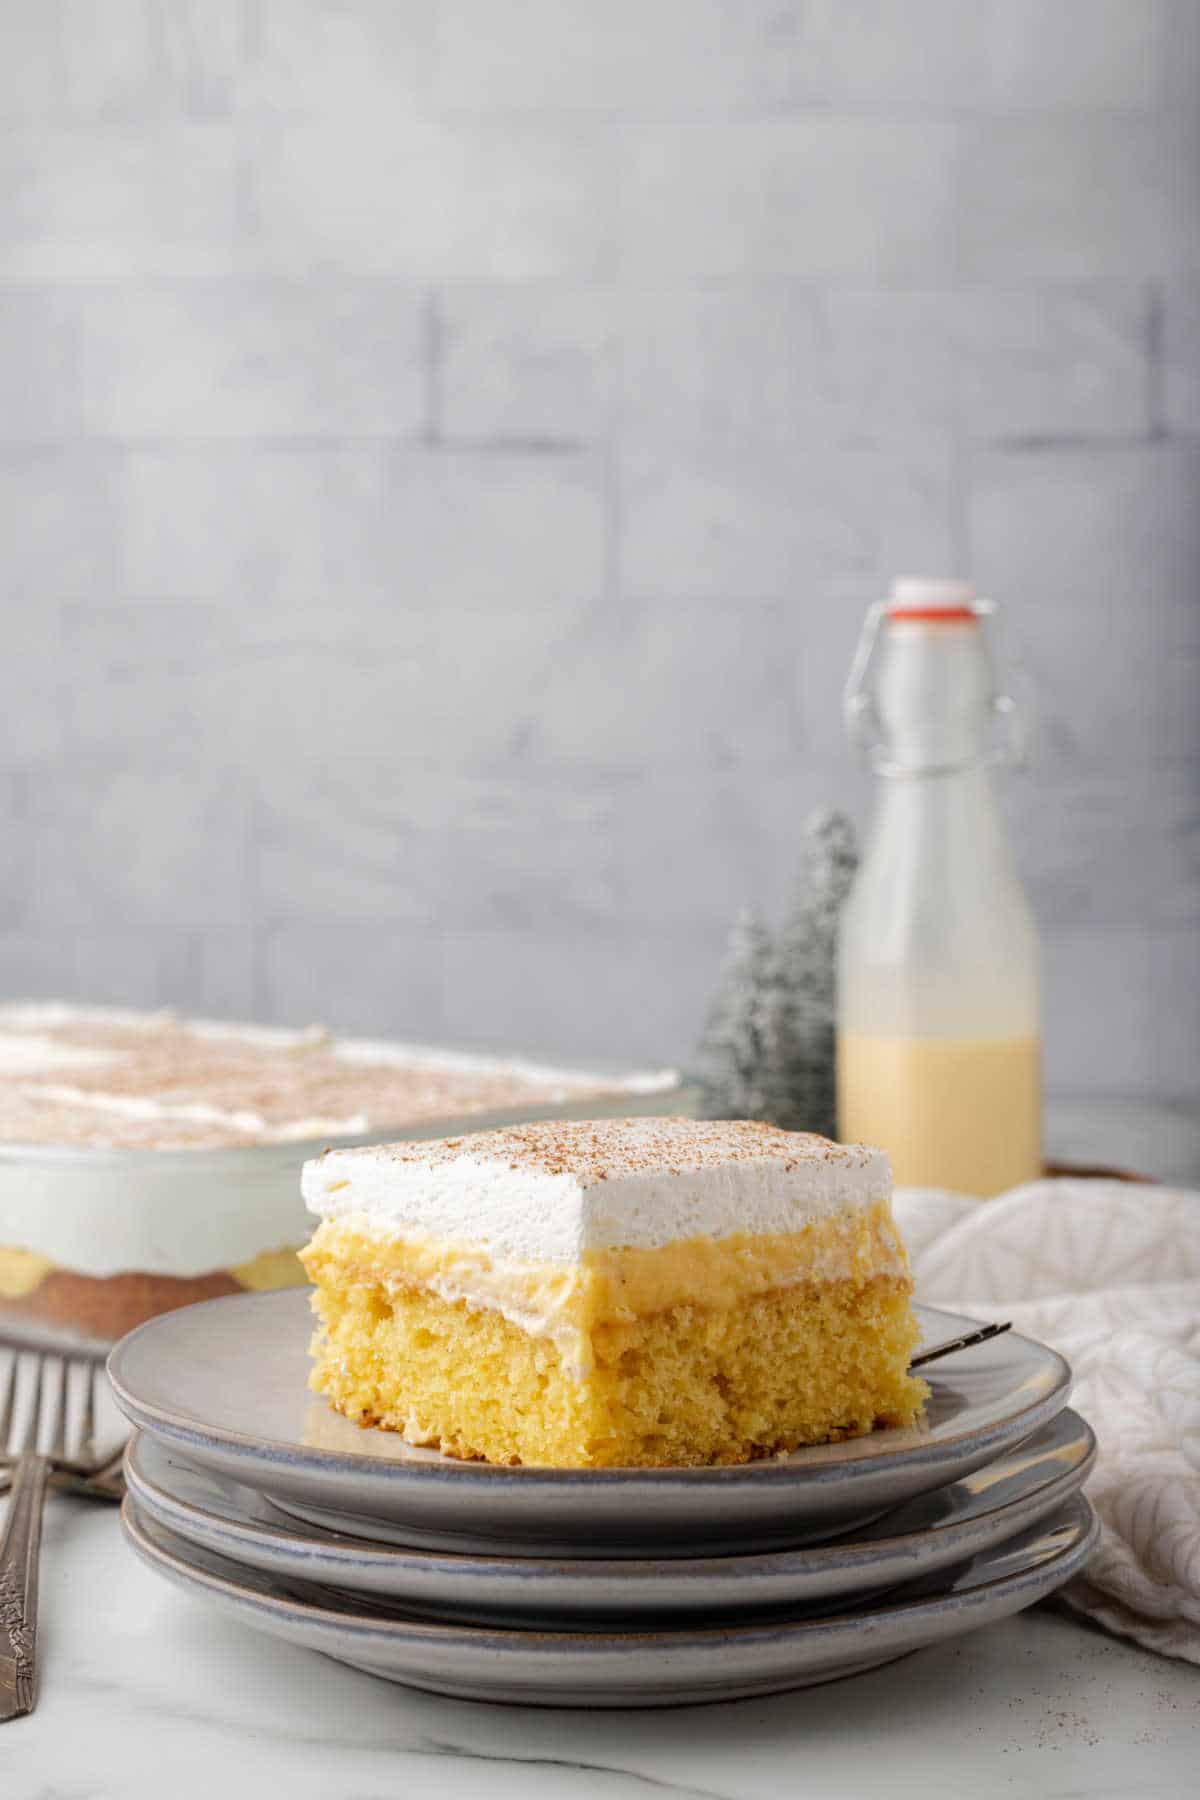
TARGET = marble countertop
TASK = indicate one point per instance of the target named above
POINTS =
(145, 1693)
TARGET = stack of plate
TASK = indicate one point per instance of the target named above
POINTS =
(613, 1587)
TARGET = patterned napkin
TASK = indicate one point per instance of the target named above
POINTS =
(1109, 1274)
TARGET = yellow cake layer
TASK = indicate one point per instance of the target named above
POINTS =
(614, 1285)
(686, 1385)
(22, 1272)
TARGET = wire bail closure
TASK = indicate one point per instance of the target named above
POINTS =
(865, 729)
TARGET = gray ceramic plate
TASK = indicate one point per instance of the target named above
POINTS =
(225, 1384)
(930, 1533)
(647, 1668)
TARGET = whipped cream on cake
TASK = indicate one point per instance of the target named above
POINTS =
(548, 1192)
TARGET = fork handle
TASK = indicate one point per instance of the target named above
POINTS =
(19, 1585)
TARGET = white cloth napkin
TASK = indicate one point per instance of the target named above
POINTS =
(1108, 1272)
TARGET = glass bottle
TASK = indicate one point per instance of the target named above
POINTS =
(938, 1013)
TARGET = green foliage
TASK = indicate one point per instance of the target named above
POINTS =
(768, 1050)
(734, 1051)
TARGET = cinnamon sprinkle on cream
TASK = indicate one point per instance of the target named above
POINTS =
(594, 1151)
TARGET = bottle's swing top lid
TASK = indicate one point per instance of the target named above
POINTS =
(933, 599)
(919, 675)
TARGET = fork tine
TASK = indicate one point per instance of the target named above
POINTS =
(87, 1426)
(8, 1390)
(58, 1444)
(39, 1410)
(39, 1405)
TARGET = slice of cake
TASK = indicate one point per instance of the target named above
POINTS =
(628, 1291)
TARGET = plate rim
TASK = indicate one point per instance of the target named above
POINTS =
(164, 1424)
(381, 1554)
(1075, 1509)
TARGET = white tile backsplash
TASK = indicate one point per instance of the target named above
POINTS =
(41, 365)
(1078, 197)
(1098, 556)
(1181, 356)
(304, 57)
(120, 201)
(138, 845)
(532, 364)
(1075, 55)
(386, 192)
(782, 526)
(250, 359)
(58, 526)
(694, 56)
(247, 524)
(821, 197)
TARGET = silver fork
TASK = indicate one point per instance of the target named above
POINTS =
(78, 1464)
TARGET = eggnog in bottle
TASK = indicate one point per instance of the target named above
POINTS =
(938, 1021)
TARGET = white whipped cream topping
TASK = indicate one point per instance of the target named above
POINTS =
(469, 1062)
(532, 1215)
(49, 1015)
(35, 1055)
(271, 1037)
(24, 1054)
(197, 1112)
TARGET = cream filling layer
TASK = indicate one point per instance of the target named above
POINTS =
(568, 1303)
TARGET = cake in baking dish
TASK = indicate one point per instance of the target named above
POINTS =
(148, 1160)
(620, 1292)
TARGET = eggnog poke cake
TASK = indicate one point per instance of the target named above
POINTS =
(641, 1291)
(148, 1160)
